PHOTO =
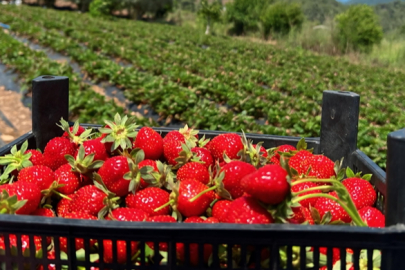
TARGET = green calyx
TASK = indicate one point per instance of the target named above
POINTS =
(120, 132)
(16, 160)
(189, 134)
(159, 178)
(135, 173)
(186, 155)
(72, 134)
(10, 204)
(252, 154)
(83, 164)
(111, 201)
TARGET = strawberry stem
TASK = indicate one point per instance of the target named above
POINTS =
(202, 193)
(314, 180)
(326, 187)
(164, 205)
(353, 213)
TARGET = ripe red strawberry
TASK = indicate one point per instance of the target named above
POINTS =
(174, 135)
(205, 156)
(324, 205)
(307, 215)
(121, 251)
(303, 186)
(37, 158)
(234, 173)
(148, 200)
(88, 199)
(51, 256)
(193, 249)
(43, 212)
(189, 189)
(161, 218)
(220, 209)
(194, 219)
(228, 143)
(40, 175)
(128, 214)
(297, 161)
(321, 166)
(112, 172)
(194, 170)
(268, 184)
(283, 149)
(96, 147)
(372, 216)
(246, 210)
(150, 142)
(301, 214)
(55, 151)
(24, 191)
(361, 191)
(211, 220)
(65, 176)
(171, 150)
(62, 208)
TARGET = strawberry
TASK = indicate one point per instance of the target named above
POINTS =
(324, 205)
(211, 220)
(234, 173)
(66, 177)
(204, 155)
(127, 214)
(268, 184)
(171, 150)
(174, 135)
(194, 170)
(55, 151)
(301, 215)
(246, 210)
(62, 208)
(320, 167)
(220, 209)
(75, 131)
(148, 200)
(263, 151)
(43, 212)
(96, 147)
(194, 220)
(121, 250)
(161, 218)
(296, 162)
(228, 143)
(188, 189)
(193, 252)
(112, 172)
(92, 199)
(41, 175)
(304, 186)
(24, 191)
(283, 149)
(150, 142)
(361, 191)
(372, 216)
(37, 158)
(307, 215)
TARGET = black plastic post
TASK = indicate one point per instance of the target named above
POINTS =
(395, 198)
(50, 103)
(339, 125)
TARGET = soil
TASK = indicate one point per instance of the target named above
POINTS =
(15, 118)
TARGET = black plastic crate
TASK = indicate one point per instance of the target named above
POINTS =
(338, 138)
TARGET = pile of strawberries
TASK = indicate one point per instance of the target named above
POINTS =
(120, 172)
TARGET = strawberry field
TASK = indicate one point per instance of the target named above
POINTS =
(215, 83)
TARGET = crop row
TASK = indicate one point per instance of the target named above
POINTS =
(30, 64)
(232, 73)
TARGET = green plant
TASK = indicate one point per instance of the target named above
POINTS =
(245, 14)
(101, 8)
(281, 17)
(210, 12)
(358, 29)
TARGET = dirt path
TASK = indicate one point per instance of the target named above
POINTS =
(15, 118)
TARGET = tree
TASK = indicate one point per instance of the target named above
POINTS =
(358, 28)
(210, 12)
(281, 17)
(245, 14)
